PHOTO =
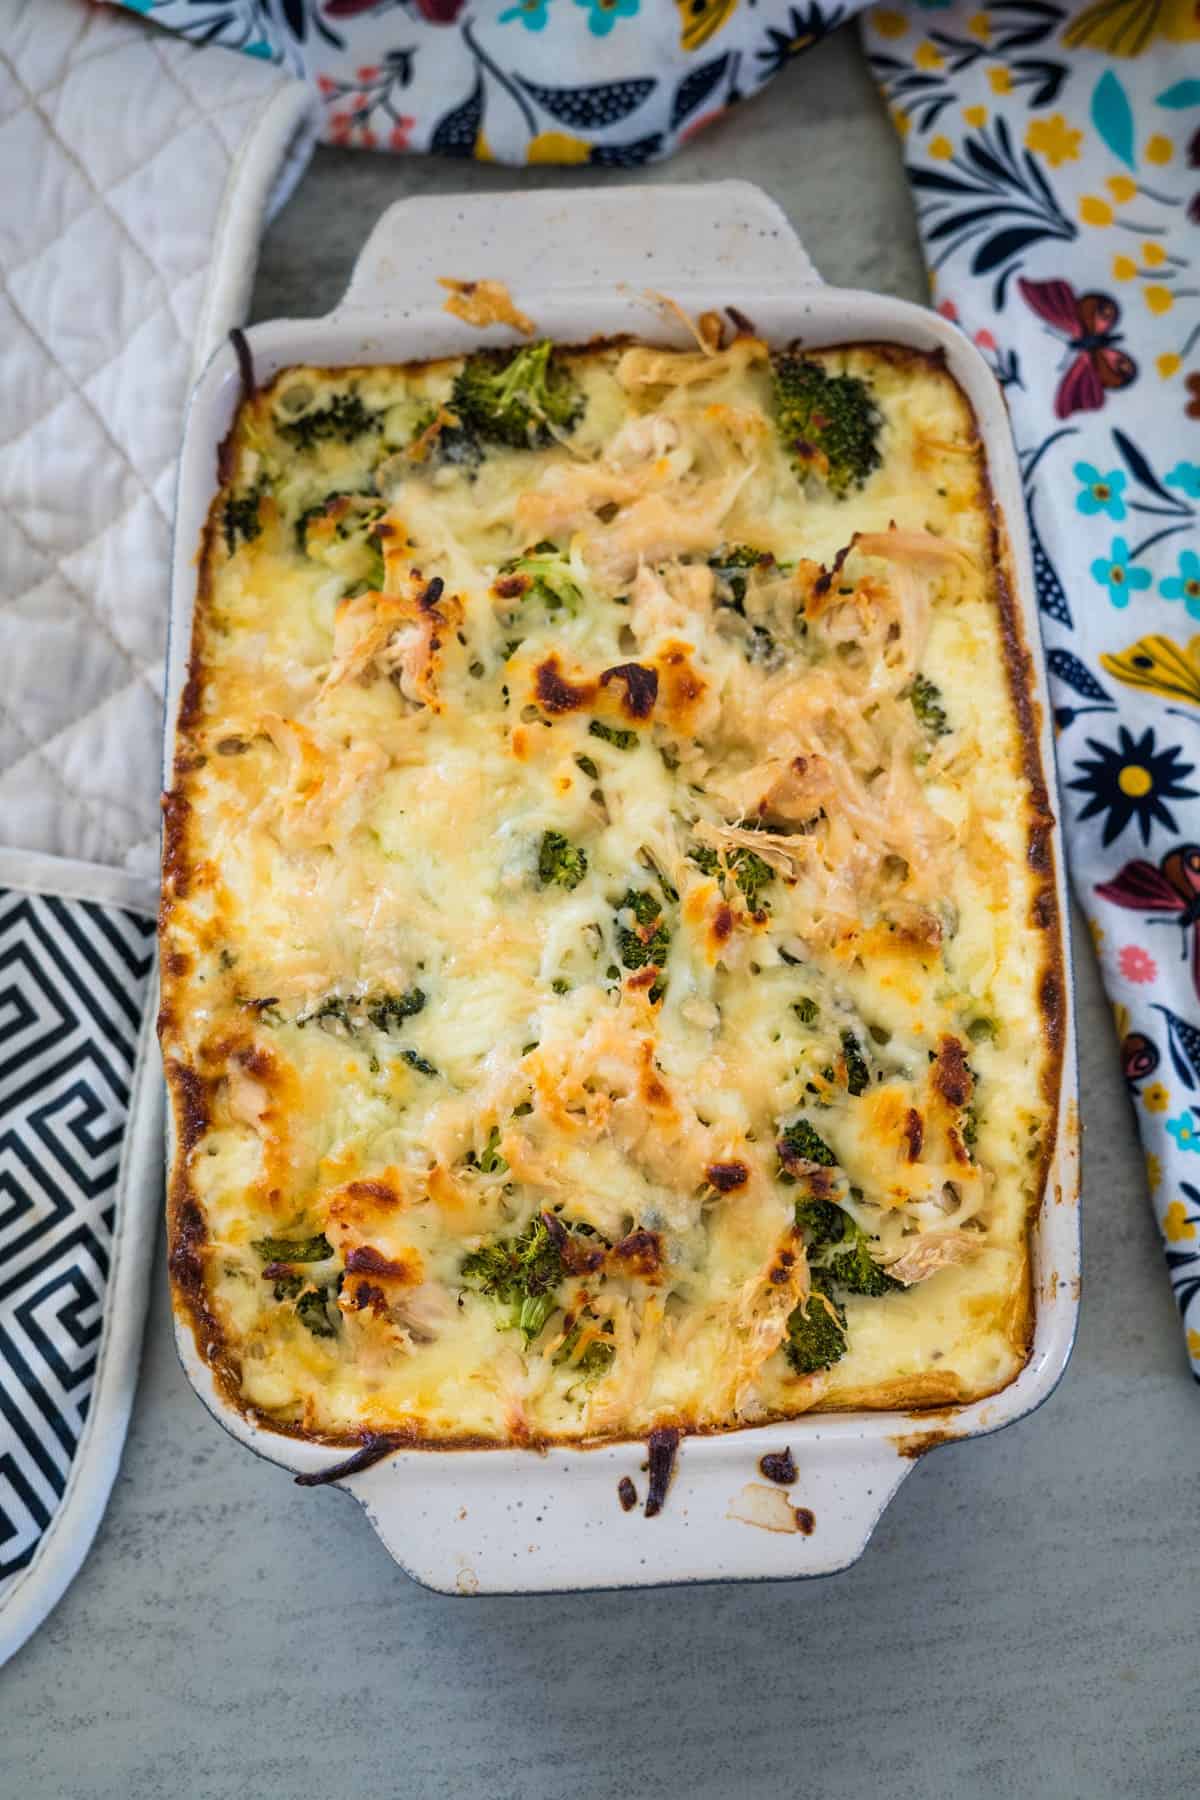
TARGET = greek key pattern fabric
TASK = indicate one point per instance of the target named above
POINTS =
(73, 979)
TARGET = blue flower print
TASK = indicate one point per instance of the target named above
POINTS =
(1100, 493)
(1120, 576)
(1183, 1130)
(532, 14)
(603, 14)
(1186, 585)
(1186, 476)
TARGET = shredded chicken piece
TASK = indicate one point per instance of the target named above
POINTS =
(932, 1252)
(642, 366)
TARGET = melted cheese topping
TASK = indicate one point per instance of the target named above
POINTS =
(390, 1029)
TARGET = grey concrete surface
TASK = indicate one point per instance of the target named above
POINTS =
(1023, 1624)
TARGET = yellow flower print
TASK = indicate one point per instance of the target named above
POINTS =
(1153, 1170)
(975, 115)
(556, 147)
(902, 122)
(1054, 139)
(1160, 149)
(1000, 81)
(1153, 255)
(1177, 1227)
(928, 56)
(1155, 1098)
(1168, 364)
(1126, 27)
(889, 24)
(1193, 1342)
(1094, 211)
(1121, 188)
(1124, 268)
(979, 26)
(1097, 931)
(1158, 299)
(942, 148)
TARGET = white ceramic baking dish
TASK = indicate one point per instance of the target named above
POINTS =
(471, 1521)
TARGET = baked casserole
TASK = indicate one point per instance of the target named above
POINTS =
(608, 936)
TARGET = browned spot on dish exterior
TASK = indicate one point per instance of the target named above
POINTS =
(374, 1449)
(779, 1466)
(725, 1177)
(770, 1510)
(626, 1493)
(662, 1444)
(641, 688)
(916, 1443)
(558, 695)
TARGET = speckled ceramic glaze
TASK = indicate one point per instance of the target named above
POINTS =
(504, 1521)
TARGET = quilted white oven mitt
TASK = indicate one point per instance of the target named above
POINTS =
(139, 173)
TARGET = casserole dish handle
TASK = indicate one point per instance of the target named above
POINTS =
(581, 241)
(477, 1522)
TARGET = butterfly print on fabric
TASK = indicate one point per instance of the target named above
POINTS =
(1173, 888)
(1088, 324)
(1139, 1058)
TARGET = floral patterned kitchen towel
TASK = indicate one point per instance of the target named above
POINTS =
(1054, 156)
(614, 83)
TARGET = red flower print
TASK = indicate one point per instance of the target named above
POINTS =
(1136, 964)
(398, 137)
(985, 340)
(368, 74)
(948, 310)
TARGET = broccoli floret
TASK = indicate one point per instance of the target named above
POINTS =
(515, 397)
(489, 1160)
(821, 1222)
(807, 1011)
(748, 869)
(544, 574)
(588, 766)
(560, 863)
(293, 1250)
(753, 874)
(596, 1359)
(927, 704)
(344, 419)
(647, 940)
(857, 1271)
(522, 1273)
(387, 1010)
(829, 424)
(858, 1075)
(800, 1143)
(239, 518)
(312, 1310)
(333, 1010)
(418, 1062)
(816, 1331)
(979, 1030)
(729, 567)
(441, 439)
(617, 736)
